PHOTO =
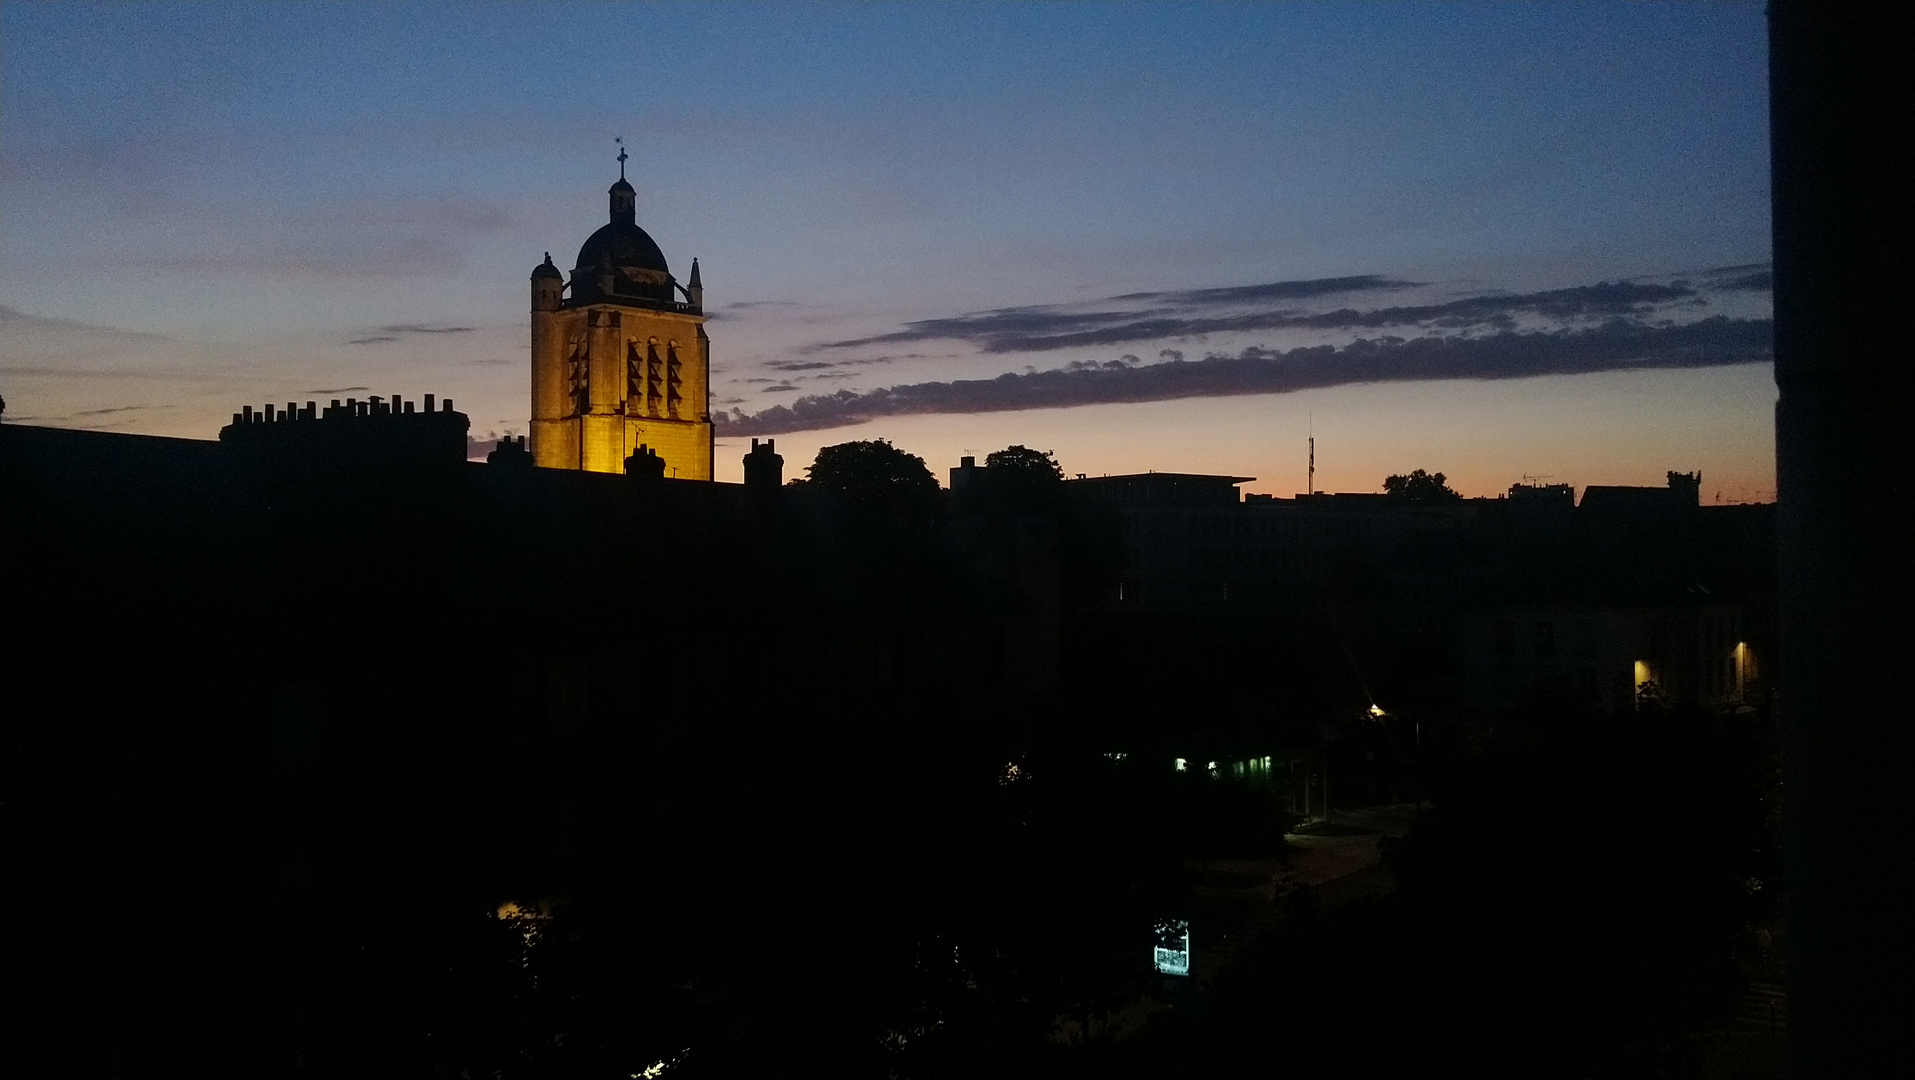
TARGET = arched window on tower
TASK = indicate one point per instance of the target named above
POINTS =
(578, 376)
(672, 380)
(654, 377)
(634, 378)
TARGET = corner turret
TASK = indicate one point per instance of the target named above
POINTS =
(547, 286)
(695, 289)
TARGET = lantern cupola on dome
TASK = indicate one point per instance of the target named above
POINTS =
(620, 260)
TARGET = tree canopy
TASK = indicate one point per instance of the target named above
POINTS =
(1021, 481)
(1419, 486)
(873, 474)
(1019, 460)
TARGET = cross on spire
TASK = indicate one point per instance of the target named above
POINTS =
(621, 156)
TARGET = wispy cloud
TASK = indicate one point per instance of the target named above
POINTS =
(1615, 343)
(94, 419)
(1174, 315)
(1747, 277)
(420, 328)
(14, 322)
(118, 409)
(748, 305)
(1759, 281)
(366, 236)
(337, 390)
(1276, 290)
(337, 258)
(393, 333)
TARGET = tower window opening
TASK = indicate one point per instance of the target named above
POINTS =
(672, 380)
(578, 377)
(653, 377)
(634, 375)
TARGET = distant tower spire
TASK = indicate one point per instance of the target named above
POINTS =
(621, 156)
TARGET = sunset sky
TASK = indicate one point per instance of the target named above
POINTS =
(1494, 240)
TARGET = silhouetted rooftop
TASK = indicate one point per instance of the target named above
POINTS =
(1163, 488)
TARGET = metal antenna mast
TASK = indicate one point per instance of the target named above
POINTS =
(1310, 487)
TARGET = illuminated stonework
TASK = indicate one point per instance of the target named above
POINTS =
(622, 361)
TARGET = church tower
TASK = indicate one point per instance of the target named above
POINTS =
(622, 361)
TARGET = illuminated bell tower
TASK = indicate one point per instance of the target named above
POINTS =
(622, 361)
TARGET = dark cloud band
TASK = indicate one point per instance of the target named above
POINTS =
(1192, 314)
(1616, 344)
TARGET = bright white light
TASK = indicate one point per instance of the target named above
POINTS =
(1172, 952)
(1183, 765)
(657, 1068)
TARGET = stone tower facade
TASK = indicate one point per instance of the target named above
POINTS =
(622, 361)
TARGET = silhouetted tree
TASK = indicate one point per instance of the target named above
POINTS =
(1419, 486)
(874, 475)
(1021, 481)
(1019, 460)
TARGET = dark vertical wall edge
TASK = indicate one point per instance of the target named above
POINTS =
(1840, 129)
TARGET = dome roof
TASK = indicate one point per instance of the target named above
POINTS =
(621, 261)
(621, 244)
(546, 269)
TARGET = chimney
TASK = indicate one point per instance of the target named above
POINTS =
(764, 467)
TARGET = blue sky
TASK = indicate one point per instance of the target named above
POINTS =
(204, 206)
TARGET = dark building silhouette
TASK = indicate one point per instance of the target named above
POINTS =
(1633, 586)
(764, 466)
(645, 464)
(374, 434)
(325, 664)
(510, 452)
(1543, 496)
(964, 477)
(444, 683)
(1683, 494)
